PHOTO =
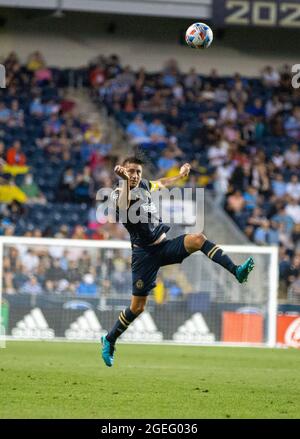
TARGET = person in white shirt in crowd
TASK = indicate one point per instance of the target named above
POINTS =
(222, 176)
(270, 77)
(293, 210)
(293, 187)
(31, 286)
(273, 106)
(228, 113)
(292, 155)
(30, 260)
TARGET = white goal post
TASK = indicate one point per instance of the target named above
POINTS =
(75, 289)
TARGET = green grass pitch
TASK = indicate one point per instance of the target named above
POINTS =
(69, 380)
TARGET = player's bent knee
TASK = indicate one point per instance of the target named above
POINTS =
(138, 304)
(137, 310)
(194, 242)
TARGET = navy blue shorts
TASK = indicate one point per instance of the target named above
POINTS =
(147, 261)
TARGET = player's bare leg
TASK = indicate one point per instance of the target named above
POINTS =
(198, 241)
(138, 304)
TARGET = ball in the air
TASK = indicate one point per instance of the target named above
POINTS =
(199, 36)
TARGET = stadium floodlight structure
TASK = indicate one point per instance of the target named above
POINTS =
(196, 302)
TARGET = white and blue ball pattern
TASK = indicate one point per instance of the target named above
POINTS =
(199, 36)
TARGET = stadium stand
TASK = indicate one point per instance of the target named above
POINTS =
(241, 135)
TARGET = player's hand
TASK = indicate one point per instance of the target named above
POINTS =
(185, 170)
(121, 172)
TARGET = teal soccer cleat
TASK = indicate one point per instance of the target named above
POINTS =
(108, 350)
(242, 272)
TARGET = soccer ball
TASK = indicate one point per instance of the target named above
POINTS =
(199, 36)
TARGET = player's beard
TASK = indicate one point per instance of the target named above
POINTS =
(132, 185)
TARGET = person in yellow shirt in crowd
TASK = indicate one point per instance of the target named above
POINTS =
(9, 192)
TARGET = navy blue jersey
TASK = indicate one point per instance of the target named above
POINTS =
(150, 226)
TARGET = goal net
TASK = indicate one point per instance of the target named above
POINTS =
(75, 289)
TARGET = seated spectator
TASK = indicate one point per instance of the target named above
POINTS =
(72, 275)
(292, 125)
(55, 273)
(16, 118)
(83, 186)
(97, 76)
(257, 108)
(270, 77)
(238, 94)
(51, 107)
(129, 105)
(79, 233)
(217, 154)
(273, 106)
(63, 232)
(36, 107)
(138, 131)
(93, 134)
(66, 186)
(279, 186)
(29, 260)
(277, 159)
(15, 156)
(15, 211)
(283, 218)
(192, 81)
(9, 192)
(266, 235)
(97, 159)
(250, 197)
(173, 120)
(293, 210)
(221, 183)
(31, 286)
(235, 202)
(32, 191)
(221, 94)
(228, 113)
(157, 132)
(293, 187)
(35, 61)
(43, 76)
(207, 94)
(166, 161)
(292, 155)
(53, 124)
(4, 113)
(87, 286)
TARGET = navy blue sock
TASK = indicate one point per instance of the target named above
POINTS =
(125, 318)
(216, 254)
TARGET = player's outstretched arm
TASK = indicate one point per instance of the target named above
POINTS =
(124, 196)
(169, 181)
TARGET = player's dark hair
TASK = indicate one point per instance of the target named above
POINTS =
(138, 157)
(133, 159)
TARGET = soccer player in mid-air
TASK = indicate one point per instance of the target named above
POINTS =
(150, 247)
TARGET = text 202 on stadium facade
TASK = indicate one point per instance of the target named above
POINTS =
(257, 13)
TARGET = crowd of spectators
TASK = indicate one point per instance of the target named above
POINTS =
(52, 160)
(70, 271)
(241, 135)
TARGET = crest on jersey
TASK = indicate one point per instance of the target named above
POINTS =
(139, 284)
